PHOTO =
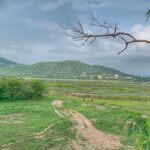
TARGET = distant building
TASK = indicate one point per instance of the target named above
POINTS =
(116, 76)
(83, 75)
(129, 78)
(99, 77)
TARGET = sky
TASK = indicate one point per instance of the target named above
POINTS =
(30, 32)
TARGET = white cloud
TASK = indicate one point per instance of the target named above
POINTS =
(141, 31)
(51, 5)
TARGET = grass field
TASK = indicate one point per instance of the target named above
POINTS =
(37, 125)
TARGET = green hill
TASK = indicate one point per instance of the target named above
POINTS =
(63, 70)
(4, 61)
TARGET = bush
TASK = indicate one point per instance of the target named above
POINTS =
(2, 88)
(13, 88)
(37, 88)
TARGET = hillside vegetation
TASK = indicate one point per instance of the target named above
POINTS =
(4, 61)
(63, 70)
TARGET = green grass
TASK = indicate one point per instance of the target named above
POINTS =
(119, 101)
(36, 115)
(108, 104)
(107, 117)
(104, 89)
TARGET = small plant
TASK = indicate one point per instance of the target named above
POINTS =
(140, 125)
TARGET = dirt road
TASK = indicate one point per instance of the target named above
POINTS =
(94, 139)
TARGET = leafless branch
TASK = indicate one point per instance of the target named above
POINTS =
(78, 33)
(95, 2)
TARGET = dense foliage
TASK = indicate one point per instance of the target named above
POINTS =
(12, 88)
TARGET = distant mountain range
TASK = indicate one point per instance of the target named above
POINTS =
(60, 70)
(4, 61)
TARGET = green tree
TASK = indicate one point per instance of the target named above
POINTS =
(13, 88)
(37, 88)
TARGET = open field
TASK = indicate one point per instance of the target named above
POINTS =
(75, 115)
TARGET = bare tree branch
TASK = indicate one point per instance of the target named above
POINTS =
(95, 2)
(78, 33)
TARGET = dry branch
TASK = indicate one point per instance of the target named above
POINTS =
(78, 33)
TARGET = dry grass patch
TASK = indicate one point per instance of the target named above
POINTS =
(14, 118)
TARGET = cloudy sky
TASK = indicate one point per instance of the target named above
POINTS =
(30, 32)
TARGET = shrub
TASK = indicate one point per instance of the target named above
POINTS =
(14, 88)
(2, 88)
(37, 88)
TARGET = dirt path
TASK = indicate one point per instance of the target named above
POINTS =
(88, 137)
(57, 103)
(94, 139)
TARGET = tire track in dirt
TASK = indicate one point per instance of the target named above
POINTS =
(57, 104)
(94, 139)
(88, 137)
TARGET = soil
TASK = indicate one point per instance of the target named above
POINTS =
(94, 138)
